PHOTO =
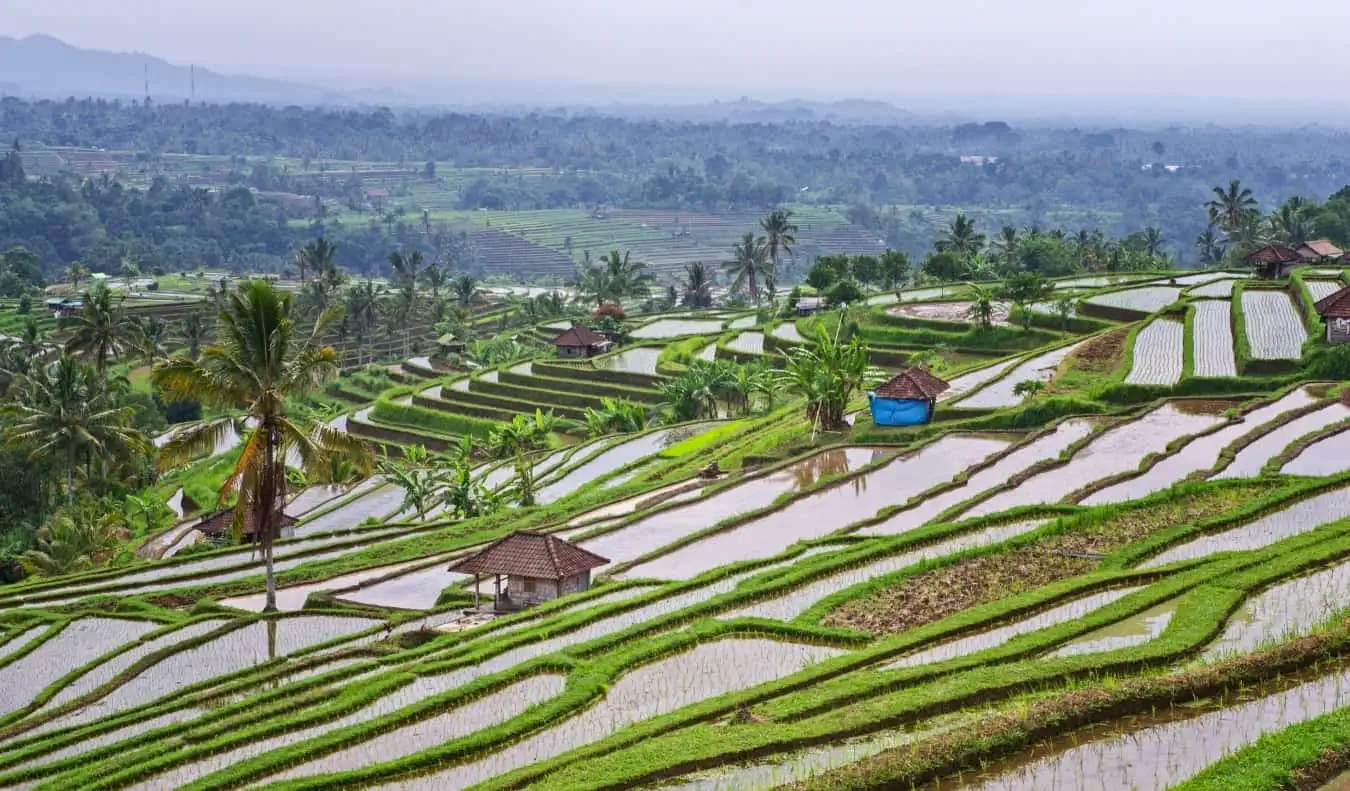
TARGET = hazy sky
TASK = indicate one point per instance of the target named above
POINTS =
(1250, 49)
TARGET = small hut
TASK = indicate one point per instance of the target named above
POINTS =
(1318, 250)
(538, 567)
(1274, 261)
(581, 342)
(218, 526)
(808, 305)
(907, 399)
(449, 344)
(1335, 312)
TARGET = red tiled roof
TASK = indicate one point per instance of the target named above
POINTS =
(912, 383)
(1274, 254)
(529, 554)
(1334, 306)
(221, 522)
(1322, 248)
(578, 336)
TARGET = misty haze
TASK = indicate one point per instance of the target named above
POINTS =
(699, 396)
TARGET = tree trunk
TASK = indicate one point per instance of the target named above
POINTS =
(271, 490)
(754, 288)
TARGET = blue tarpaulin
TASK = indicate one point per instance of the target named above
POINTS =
(899, 412)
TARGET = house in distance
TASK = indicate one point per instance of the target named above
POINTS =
(537, 567)
(1335, 312)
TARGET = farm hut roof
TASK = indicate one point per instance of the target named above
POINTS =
(1334, 306)
(1274, 254)
(1320, 248)
(912, 383)
(810, 303)
(529, 554)
(448, 339)
(221, 522)
(579, 336)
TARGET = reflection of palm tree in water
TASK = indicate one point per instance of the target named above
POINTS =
(830, 463)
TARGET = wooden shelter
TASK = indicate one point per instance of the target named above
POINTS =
(1274, 261)
(907, 399)
(579, 341)
(1335, 312)
(449, 344)
(808, 305)
(1318, 250)
(218, 526)
(538, 567)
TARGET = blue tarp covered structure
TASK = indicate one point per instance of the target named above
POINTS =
(907, 399)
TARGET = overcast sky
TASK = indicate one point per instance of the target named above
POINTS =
(702, 49)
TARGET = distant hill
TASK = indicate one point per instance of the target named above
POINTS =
(47, 67)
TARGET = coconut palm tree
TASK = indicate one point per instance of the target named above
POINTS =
(76, 272)
(1005, 244)
(960, 237)
(154, 337)
(981, 305)
(624, 277)
(362, 310)
(1292, 223)
(592, 284)
(67, 408)
(780, 233)
(1210, 247)
(697, 285)
(749, 264)
(194, 332)
(1152, 241)
(316, 256)
(516, 440)
(255, 368)
(103, 330)
(32, 344)
(465, 289)
(1231, 206)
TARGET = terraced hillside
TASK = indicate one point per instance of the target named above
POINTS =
(1134, 575)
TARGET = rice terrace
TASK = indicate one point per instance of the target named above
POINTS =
(569, 450)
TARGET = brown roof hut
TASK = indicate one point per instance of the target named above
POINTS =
(218, 526)
(538, 567)
(1335, 312)
(1318, 249)
(581, 342)
(1274, 260)
(907, 399)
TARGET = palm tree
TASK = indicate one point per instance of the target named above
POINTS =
(780, 233)
(1152, 241)
(960, 237)
(256, 367)
(1006, 245)
(194, 332)
(593, 284)
(435, 278)
(750, 262)
(465, 289)
(624, 277)
(154, 337)
(103, 331)
(516, 440)
(1292, 223)
(697, 285)
(32, 344)
(362, 309)
(1230, 207)
(67, 408)
(981, 305)
(76, 272)
(316, 256)
(1211, 249)
(827, 372)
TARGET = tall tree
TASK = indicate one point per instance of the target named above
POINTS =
(67, 408)
(749, 264)
(697, 285)
(780, 233)
(1210, 246)
(516, 440)
(465, 288)
(1152, 241)
(194, 332)
(960, 237)
(317, 257)
(256, 367)
(103, 330)
(1006, 246)
(1230, 207)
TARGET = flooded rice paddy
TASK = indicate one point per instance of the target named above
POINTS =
(826, 511)
(993, 638)
(1115, 451)
(658, 529)
(1326, 456)
(1157, 354)
(1153, 757)
(292, 597)
(1275, 330)
(706, 671)
(615, 456)
(743, 323)
(637, 360)
(1201, 453)
(1250, 460)
(81, 641)
(1301, 517)
(1145, 299)
(1135, 630)
(747, 343)
(966, 382)
(1285, 611)
(999, 393)
(787, 331)
(799, 600)
(377, 503)
(673, 328)
(1215, 289)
